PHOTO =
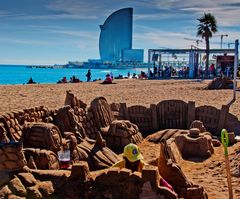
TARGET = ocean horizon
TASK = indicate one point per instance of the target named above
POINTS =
(20, 74)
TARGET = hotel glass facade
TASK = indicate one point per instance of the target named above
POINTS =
(116, 35)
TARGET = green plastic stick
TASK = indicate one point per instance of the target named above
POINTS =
(225, 142)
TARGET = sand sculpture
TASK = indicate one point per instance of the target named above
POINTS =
(80, 145)
(41, 159)
(42, 141)
(12, 126)
(169, 167)
(81, 183)
(11, 157)
(80, 130)
(117, 133)
(220, 83)
(3, 135)
(195, 145)
(42, 135)
(196, 142)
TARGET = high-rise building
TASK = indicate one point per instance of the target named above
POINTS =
(115, 42)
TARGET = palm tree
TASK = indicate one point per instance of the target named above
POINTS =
(206, 28)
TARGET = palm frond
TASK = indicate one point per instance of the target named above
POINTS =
(207, 25)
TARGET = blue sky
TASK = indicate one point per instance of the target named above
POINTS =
(58, 31)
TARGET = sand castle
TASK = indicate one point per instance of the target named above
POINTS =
(32, 138)
(220, 83)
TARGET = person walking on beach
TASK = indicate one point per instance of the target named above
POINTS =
(88, 75)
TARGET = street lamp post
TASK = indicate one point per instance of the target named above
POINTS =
(222, 39)
(235, 69)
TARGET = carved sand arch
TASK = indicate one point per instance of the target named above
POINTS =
(140, 114)
(172, 114)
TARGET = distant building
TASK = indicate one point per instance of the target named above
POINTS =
(132, 55)
(225, 60)
(115, 42)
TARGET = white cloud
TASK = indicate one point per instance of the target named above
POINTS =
(83, 34)
(179, 4)
(160, 39)
(226, 16)
(153, 16)
(6, 14)
(56, 17)
(34, 61)
(152, 38)
(227, 13)
(27, 41)
(76, 7)
(3, 13)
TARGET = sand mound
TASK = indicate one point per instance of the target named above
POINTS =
(220, 83)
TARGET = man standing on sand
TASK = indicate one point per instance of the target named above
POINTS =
(88, 75)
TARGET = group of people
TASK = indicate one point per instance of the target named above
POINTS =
(109, 77)
(169, 71)
(73, 79)
(218, 71)
(134, 76)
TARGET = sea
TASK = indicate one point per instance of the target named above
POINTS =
(20, 74)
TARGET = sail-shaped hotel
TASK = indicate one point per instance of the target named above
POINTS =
(115, 41)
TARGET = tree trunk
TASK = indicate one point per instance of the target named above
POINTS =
(207, 57)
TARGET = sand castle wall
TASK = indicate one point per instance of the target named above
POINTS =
(166, 114)
(13, 122)
(176, 114)
(81, 183)
(11, 157)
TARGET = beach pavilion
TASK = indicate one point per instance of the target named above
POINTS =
(193, 55)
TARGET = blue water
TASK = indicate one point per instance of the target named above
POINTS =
(12, 74)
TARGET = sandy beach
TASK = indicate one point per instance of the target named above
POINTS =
(138, 92)
(133, 92)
